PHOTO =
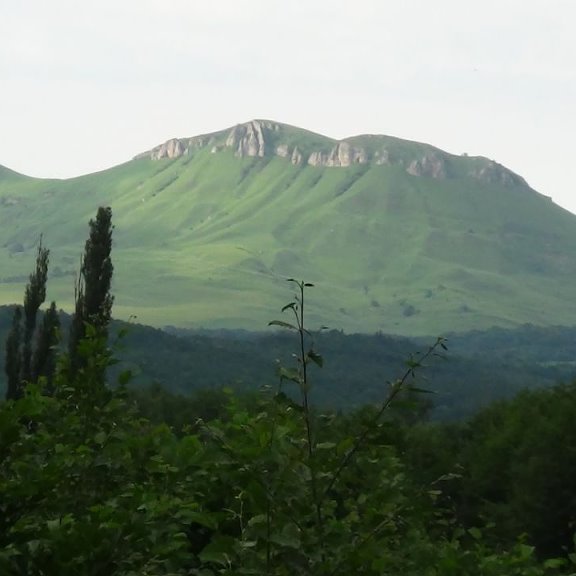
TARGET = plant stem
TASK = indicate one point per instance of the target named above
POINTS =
(396, 389)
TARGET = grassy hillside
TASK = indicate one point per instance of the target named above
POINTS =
(206, 239)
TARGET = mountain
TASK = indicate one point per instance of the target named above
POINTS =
(397, 236)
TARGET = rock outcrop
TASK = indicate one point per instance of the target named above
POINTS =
(177, 147)
(494, 173)
(171, 149)
(248, 139)
(263, 138)
(341, 156)
(430, 165)
(296, 157)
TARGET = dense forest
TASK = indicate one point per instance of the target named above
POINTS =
(100, 477)
(480, 368)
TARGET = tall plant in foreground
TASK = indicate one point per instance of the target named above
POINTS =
(323, 513)
(93, 298)
(19, 345)
(305, 355)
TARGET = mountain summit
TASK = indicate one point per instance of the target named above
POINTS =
(397, 236)
(266, 139)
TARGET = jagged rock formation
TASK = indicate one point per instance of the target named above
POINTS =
(176, 147)
(431, 165)
(264, 138)
(248, 139)
(342, 155)
(171, 149)
(494, 173)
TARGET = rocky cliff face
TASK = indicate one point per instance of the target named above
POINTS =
(342, 155)
(263, 138)
(248, 139)
(431, 165)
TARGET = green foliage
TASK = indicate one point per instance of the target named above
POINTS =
(94, 489)
(13, 361)
(19, 344)
(33, 298)
(269, 486)
(520, 465)
(48, 337)
(93, 297)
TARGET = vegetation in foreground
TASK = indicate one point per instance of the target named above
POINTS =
(89, 486)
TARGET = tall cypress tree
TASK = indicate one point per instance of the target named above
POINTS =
(93, 298)
(19, 343)
(34, 297)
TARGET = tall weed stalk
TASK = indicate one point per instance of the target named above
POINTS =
(306, 354)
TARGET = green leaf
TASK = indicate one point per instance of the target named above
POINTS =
(325, 445)
(219, 550)
(525, 551)
(289, 374)
(554, 563)
(53, 525)
(289, 537)
(257, 520)
(282, 324)
(420, 390)
(475, 533)
(201, 518)
(345, 445)
(124, 377)
(315, 357)
(100, 437)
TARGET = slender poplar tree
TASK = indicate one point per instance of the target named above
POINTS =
(18, 364)
(93, 298)
(34, 297)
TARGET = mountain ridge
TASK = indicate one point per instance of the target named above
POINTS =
(261, 138)
(206, 238)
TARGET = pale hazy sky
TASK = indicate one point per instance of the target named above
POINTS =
(85, 85)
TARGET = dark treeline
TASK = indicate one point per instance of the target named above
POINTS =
(481, 367)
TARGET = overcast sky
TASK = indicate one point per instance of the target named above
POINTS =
(87, 85)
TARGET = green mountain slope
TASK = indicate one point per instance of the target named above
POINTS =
(397, 236)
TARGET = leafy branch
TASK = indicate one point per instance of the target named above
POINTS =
(396, 388)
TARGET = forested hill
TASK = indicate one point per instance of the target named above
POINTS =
(478, 368)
